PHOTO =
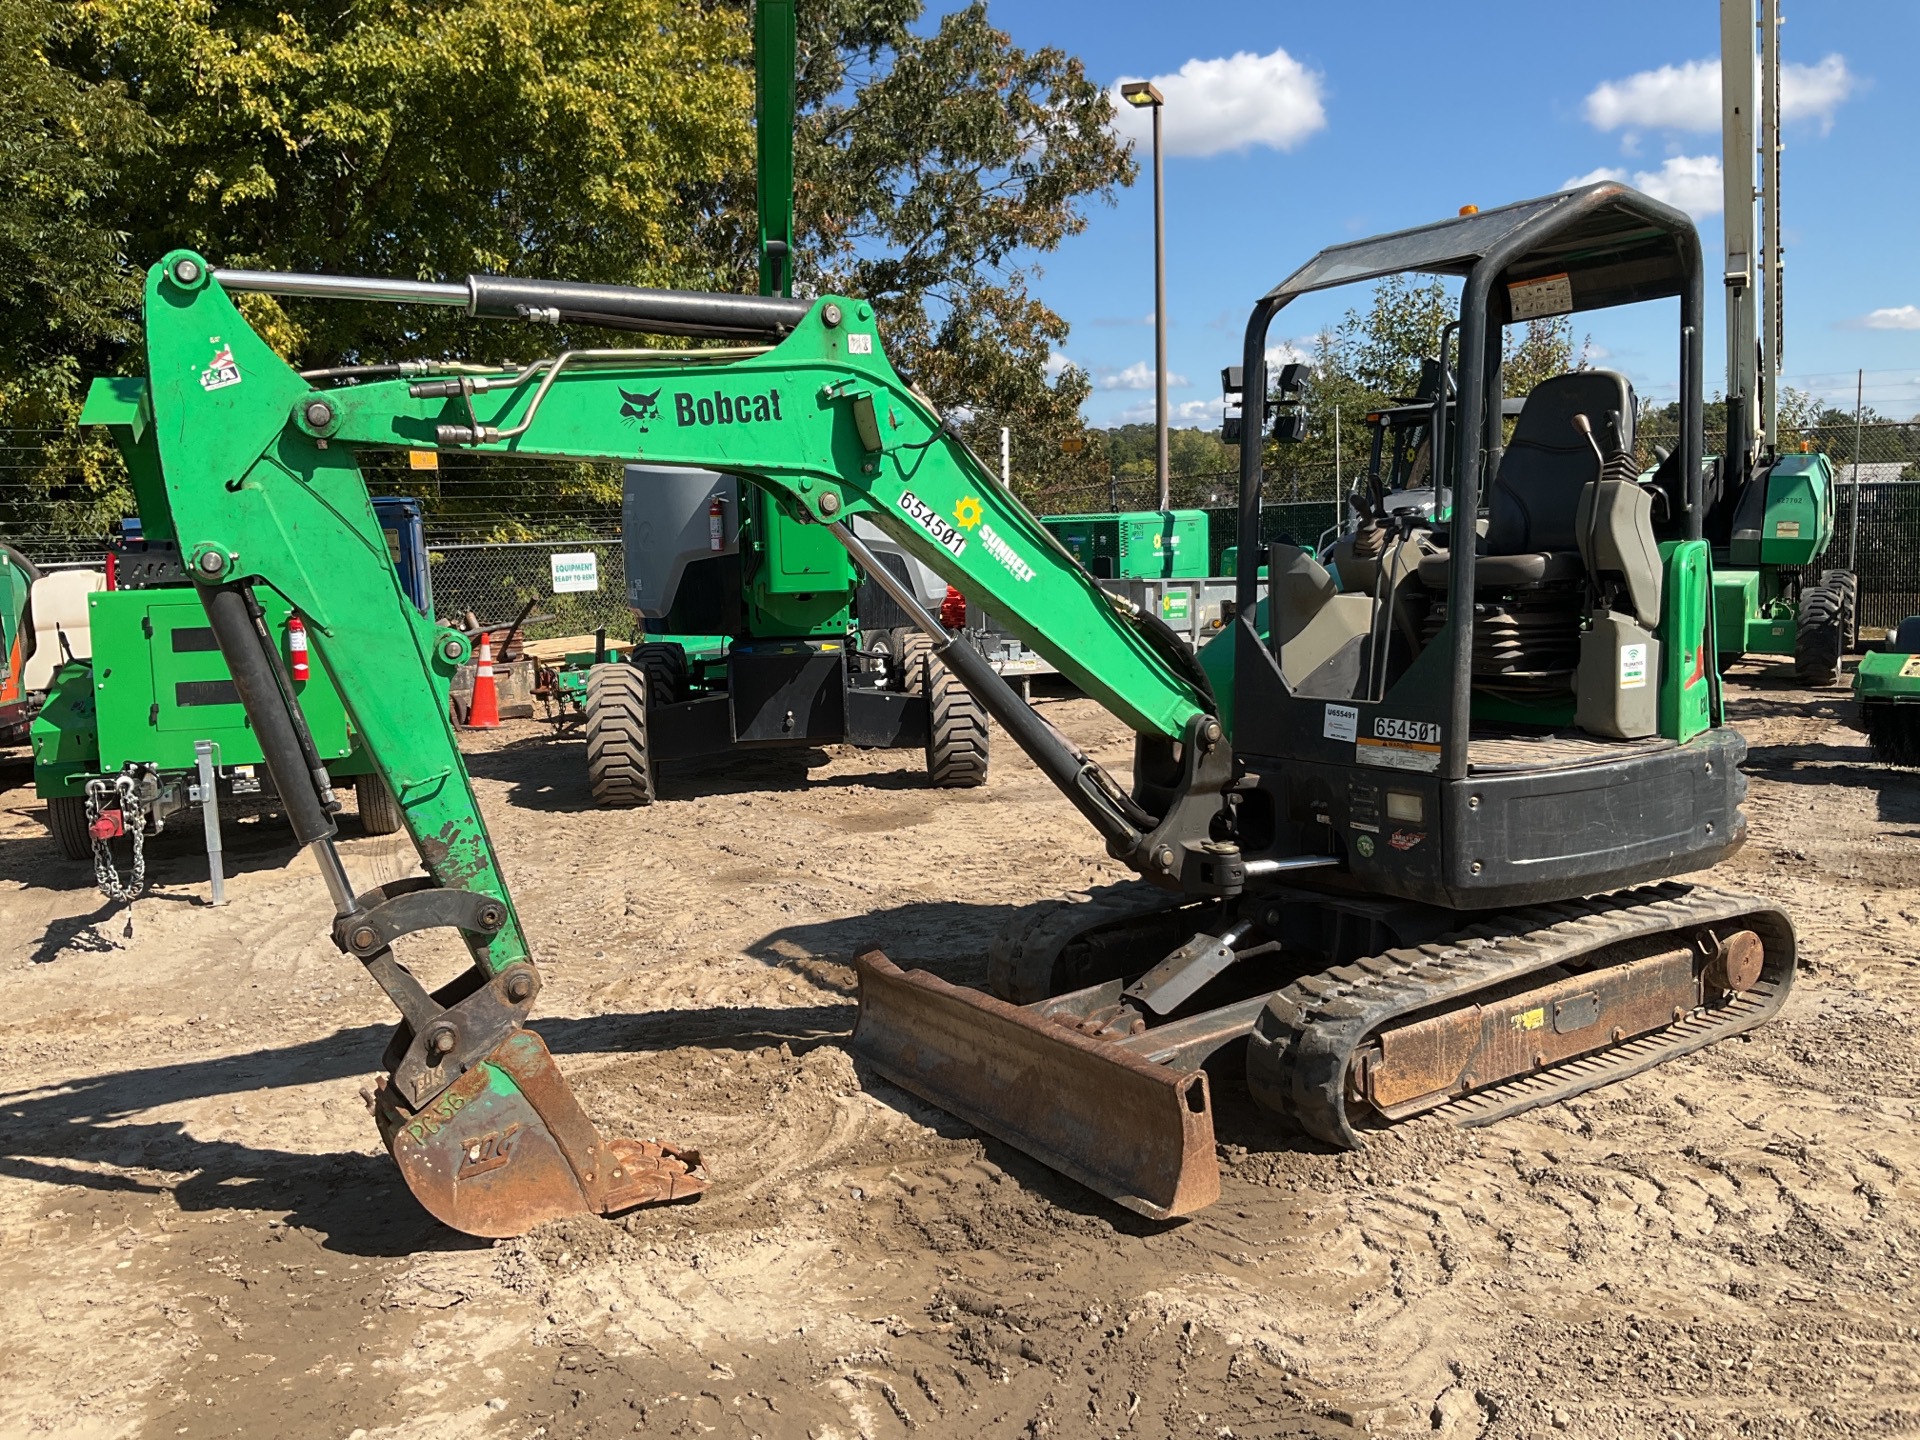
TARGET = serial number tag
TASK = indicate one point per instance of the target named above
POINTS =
(1413, 732)
(931, 521)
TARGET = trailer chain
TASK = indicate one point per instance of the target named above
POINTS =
(1300, 1052)
(125, 787)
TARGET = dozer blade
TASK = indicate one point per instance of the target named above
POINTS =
(506, 1147)
(1138, 1133)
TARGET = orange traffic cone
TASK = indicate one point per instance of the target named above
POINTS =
(484, 711)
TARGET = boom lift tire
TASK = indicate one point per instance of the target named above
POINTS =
(665, 667)
(67, 819)
(619, 767)
(379, 810)
(956, 725)
(1820, 636)
(1848, 584)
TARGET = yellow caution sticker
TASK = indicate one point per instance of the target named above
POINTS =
(1533, 1019)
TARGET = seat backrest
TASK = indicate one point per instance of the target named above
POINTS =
(58, 602)
(1536, 494)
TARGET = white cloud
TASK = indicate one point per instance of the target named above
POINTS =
(1214, 106)
(1899, 317)
(1137, 376)
(1687, 96)
(1057, 364)
(1289, 351)
(1185, 413)
(1690, 182)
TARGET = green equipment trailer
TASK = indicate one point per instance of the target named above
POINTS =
(1886, 688)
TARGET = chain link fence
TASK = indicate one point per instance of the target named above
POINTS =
(492, 579)
(494, 583)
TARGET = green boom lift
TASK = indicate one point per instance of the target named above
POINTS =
(1771, 514)
(752, 639)
(1390, 903)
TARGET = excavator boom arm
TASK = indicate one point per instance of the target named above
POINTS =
(820, 420)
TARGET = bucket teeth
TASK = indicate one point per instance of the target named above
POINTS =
(507, 1147)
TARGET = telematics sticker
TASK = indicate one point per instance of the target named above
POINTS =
(1342, 723)
(1633, 667)
(1400, 744)
(929, 520)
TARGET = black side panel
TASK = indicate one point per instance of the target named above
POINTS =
(1515, 839)
(708, 600)
(690, 728)
(1560, 833)
(787, 693)
(885, 719)
(876, 609)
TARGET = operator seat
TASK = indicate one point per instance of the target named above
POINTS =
(1564, 543)
(1533, 505)
(58, 605)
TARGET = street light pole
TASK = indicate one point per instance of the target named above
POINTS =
(1143, 94)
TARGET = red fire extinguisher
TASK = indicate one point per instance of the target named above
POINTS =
(716, 527)
(297, 647)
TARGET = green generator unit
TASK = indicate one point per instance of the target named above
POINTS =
(156, 685)
(1136, 544)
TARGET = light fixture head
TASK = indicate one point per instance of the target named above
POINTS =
(1141, 93)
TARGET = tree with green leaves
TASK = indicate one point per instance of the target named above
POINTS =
(1373, 359)
(606, 142)
(64, 140)
(931, 168)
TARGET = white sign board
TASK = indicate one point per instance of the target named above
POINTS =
(573, 574)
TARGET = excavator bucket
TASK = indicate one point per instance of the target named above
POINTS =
(1140, 1134)
(506, 1147)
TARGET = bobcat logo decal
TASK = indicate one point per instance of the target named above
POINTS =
(639, 409)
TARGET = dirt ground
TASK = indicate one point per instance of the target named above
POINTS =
(200, 1235)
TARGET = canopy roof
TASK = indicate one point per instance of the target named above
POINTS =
(1614, 245)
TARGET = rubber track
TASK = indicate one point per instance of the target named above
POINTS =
(1023, 957)
(617, 764)
(1302, 1048)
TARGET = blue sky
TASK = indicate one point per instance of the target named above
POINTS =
(1368, 117)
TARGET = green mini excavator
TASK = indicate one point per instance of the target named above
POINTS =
(1383, 872)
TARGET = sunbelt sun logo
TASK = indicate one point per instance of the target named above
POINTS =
(720, 408)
